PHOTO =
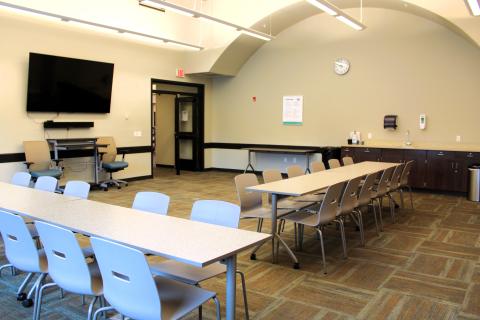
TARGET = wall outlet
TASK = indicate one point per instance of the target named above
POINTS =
(369, 135)
(137, 133)
(458, 138)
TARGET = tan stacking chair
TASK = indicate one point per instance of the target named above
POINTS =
(334, 163)
(347, 161)
(394, 185)
(297, 171)
(326, 214)
(365, 196)
(381, 190)
(317, 166)
(348, 207)
(251, 202)
(404, 182)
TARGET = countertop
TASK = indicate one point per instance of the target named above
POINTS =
(419, 146)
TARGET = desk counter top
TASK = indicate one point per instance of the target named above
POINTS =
(418, 146)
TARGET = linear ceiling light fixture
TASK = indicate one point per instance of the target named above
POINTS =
(474, 6)
(98, 26)
(167, 6)
(336, 12)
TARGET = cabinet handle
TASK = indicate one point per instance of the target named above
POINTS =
(366, 150)
(440, 154)
(452, 165)
(456, 165)
(470, 155)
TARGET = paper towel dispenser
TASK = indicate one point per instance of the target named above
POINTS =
(390, 122)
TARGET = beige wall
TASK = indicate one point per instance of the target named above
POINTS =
(165, 150)
(135, 66)
(401, 64)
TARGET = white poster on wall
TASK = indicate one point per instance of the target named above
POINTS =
(292, 110)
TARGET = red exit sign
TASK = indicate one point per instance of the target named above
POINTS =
(180, 73)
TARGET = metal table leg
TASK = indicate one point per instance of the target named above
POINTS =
(307, 170)
(249, 165)
(231, 263)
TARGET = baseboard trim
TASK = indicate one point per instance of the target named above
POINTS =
(230, 170)
(138, 178)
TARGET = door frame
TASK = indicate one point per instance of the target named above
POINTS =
(201, 115)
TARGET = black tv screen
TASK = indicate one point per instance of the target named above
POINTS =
(59, 84)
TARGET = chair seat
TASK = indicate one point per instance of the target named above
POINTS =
(56, 173)
(178, 299)
(187, 273)
(303, 217)
(293, 205)
(309, 198)
(115, 165)
(263, 213)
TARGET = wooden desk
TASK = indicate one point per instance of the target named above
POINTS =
(302, 185)
(302, 152)
(195, 243)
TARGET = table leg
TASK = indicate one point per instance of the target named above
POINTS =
(307, 170)
(274, 226)
(231, 263)
(249, 165)
(95, 159)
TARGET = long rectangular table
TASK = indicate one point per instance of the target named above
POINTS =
(302, 152)
(195, 243)
(310, 183)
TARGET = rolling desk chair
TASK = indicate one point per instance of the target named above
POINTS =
(38, 160)
(109, 163)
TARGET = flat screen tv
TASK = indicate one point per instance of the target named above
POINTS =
(59, 84)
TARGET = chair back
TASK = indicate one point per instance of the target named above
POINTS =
(79, 189)
(110, 151)
(347, 161)
(46, 183)
(334, 163)
(404, 179)
(19, 245)
(365, 194)
(66, 262)
(38, 154)
(155, 202)
(318, 166)
(217, 212)
(349, 200)
(329, 207)
(21, 179)
(248, 200)
(396, 175)
(295, 171)
(128, 284)
(382, 187)
(271, 175)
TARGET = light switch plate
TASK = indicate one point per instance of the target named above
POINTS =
(137, 133)
(458, 138)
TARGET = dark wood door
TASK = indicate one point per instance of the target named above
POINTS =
(419, 169)
(392, 155)
(367, 154)
(443, 171)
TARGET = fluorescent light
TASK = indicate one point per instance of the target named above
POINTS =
(322, 5)
(351, 23)
(31, 13)
(164, 5)
(167, 7)
(91, 26)
(474, 6)
(255, 35)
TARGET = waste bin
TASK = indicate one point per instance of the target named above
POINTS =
(474, 182)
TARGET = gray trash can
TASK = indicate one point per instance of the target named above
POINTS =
(474, 183)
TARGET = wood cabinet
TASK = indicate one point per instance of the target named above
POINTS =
(434, 170)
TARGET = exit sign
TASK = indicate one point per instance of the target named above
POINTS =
(180, 73)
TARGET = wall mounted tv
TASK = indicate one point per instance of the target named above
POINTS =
(59, 84)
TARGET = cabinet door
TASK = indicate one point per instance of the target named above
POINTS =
(441, 170)
(367, 154)
(392, 155)
(465, 160)
(419, 169)
(348, 152)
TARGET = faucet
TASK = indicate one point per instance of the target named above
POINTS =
(407, 138)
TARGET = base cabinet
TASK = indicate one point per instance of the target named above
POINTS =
(434, 170)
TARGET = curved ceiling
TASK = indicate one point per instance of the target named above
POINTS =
(228, 61)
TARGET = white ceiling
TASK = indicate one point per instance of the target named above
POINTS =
(128, 14)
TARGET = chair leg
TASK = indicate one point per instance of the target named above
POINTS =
(217, 307)
(411, 196)
(344, 241)
(101, 310)
(6, 266)
(90, 307)
(375, 217)
(360, 226)
(38, 295)
(379, 202)
(259, 224)
(392, 207)
(301, 229)
(25, 283)
(295, 235)
(320, 234)
(244, 289)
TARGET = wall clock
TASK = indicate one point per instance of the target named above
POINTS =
(341, 66)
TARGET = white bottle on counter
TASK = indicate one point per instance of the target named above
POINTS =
(354, 137)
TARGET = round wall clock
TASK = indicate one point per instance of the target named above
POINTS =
(341, 66)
